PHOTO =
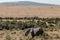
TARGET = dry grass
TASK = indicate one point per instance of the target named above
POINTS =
(19, 35)
(29, 11)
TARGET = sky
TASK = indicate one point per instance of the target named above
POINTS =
(38, 1)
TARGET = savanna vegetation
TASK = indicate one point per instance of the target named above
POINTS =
(22, 23)
(10, 23)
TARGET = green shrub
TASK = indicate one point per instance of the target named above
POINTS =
(27, 24)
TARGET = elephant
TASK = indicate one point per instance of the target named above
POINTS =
(34, 32)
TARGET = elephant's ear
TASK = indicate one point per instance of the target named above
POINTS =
(27, 32)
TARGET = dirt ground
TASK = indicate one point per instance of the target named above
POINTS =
(30, 11)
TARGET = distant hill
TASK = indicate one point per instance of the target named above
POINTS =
(25, 3)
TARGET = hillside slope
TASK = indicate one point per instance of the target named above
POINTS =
(25, 3)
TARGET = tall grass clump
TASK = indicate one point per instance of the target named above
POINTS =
(8, 37)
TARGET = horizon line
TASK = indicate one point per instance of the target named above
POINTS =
(27, 1)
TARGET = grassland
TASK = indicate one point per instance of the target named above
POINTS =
(18, 35)
(30, 11)
(14, 28)
(14, 20)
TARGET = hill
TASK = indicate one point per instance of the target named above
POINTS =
(25, 3)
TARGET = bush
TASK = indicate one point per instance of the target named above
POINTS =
(8, 37)
(9, 25)
(22, 25)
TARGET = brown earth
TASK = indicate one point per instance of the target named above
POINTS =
(30, 11)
